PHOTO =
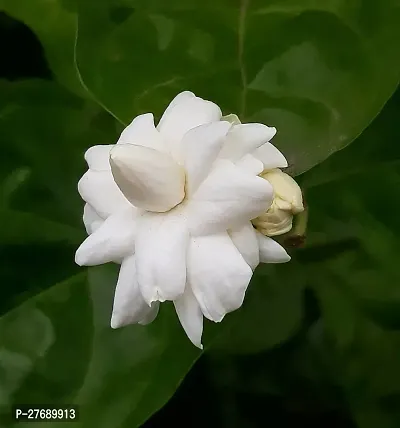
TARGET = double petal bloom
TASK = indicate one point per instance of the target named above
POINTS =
(173, 205)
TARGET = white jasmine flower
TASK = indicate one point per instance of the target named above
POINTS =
(288, 201)
(173, 205)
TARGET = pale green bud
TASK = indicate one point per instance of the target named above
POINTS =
(288, 200)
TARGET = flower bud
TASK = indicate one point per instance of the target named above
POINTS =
(288, 201)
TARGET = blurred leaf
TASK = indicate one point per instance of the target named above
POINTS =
(47, 129)
(339, 314)
(58, 347)
(11, 184)
(319, 72)
(27, 228)
(54, 23)
(357, 337)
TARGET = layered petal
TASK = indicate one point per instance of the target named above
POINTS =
(161, 247)
(245, 138)
(112, 241)
(98, 157)
(190, 316)
(270, 250)
(227, 198)
(200, 148)
(91, 219)
(129, 305)
(142, 132)
(270, 156)
(148, 178)
(245, 240)
(250, 164)
(98, 189)
(218, 274)
(184, 113)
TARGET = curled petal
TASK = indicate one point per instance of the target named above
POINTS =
(97, 157)
(250, 164)
(245, 138)
(149, 179)
(270, 156)
(270, 250)
(218, 274)
(200, 148)
(227, 198)
(161, 247)
(98, 189)
(184, 113)
(129, 305)
(142, 132)
(91, 219)
(152, 314)
(245, 240)
(190, 316)
(112, 241)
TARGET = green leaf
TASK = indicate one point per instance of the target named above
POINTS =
(59, 348)
(357, 337)
(318, 71)
(47, 130)
(27, 228)
(375, 150)
(54, 23)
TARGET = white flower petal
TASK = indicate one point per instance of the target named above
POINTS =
(270, 156)
(190, 316)
(227, 198)
(270, 250)
(142, 132)
(91, 219)
(185, 114)
(129, 305)
(152, 314)
(250, 164)
(182, 96)
(98, 189)
(161, 247)
(97, 157)
(218, 274)
(112, 241)
(148, 178)
(200, 148)
(245, 138)
(245, 240)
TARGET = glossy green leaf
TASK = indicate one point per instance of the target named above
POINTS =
(59, 348)
(373, 152)
(318, 71)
